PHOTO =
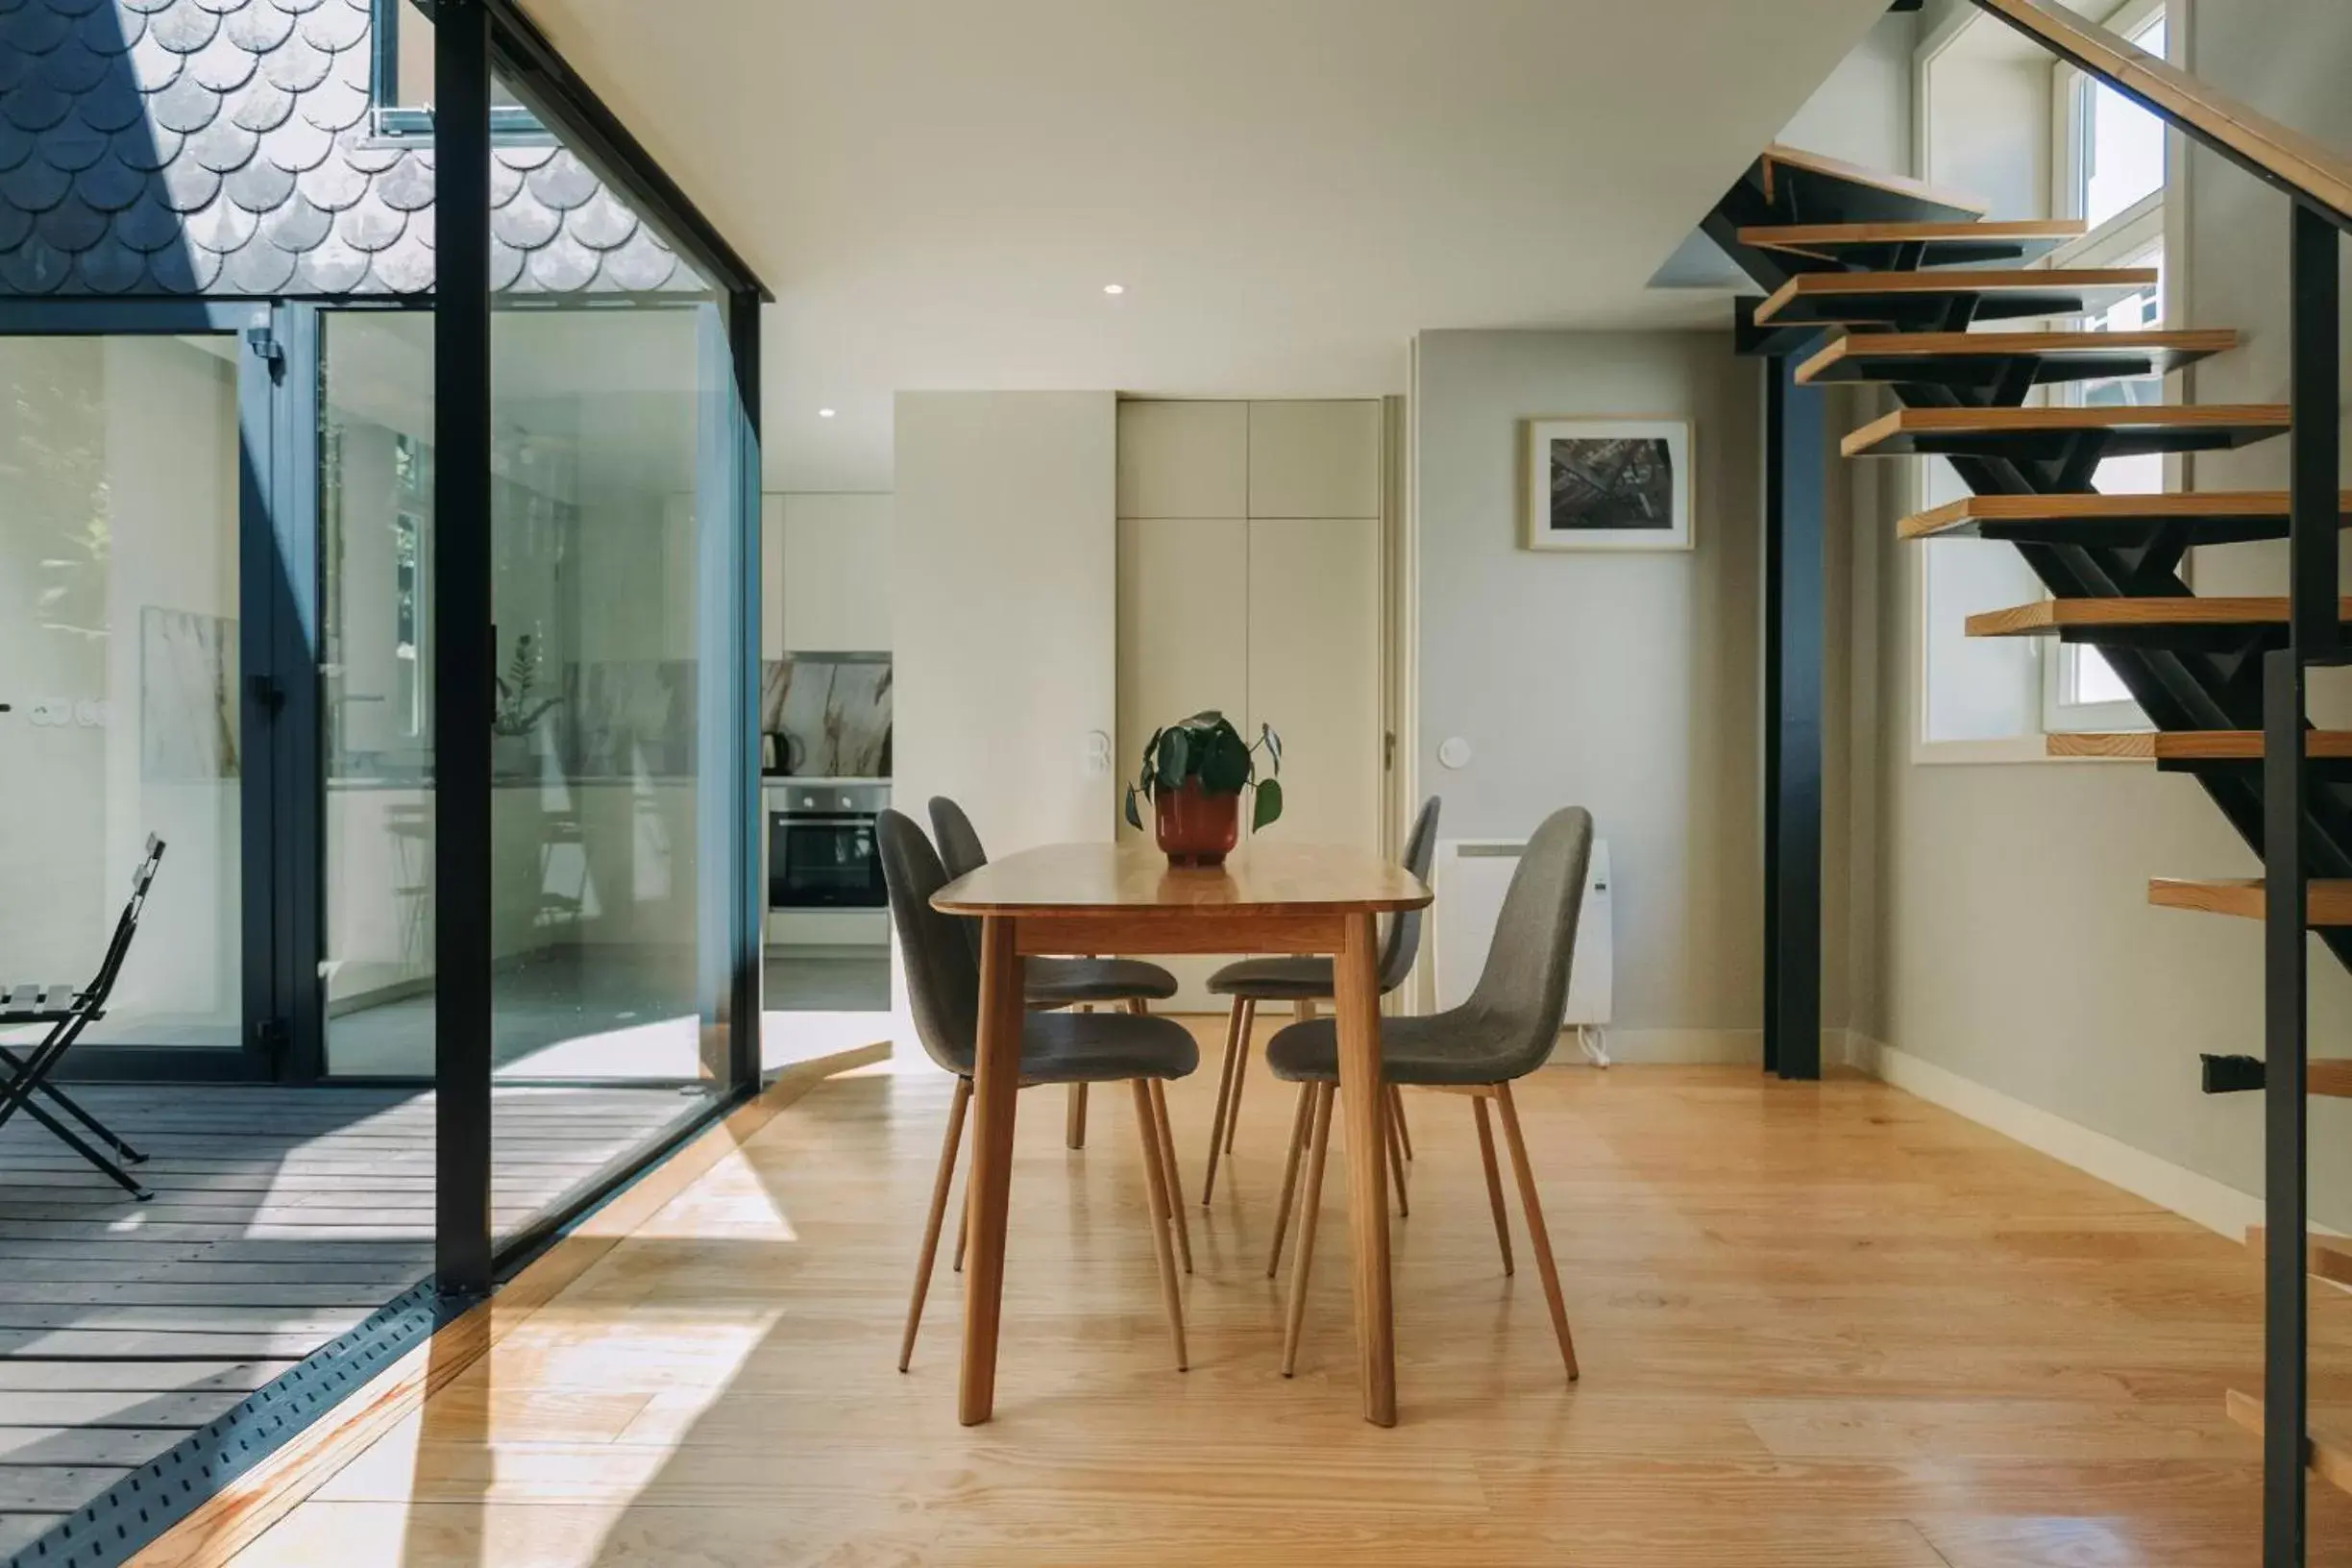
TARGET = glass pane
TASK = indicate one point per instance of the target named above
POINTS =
(120, 620)
(2122, 144)
(409, 59)
(375, 682)
(595, 743)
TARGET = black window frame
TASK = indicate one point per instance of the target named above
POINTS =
(395, 120)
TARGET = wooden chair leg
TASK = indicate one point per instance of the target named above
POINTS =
(1167, 1165)
(1311, 1203)
(1241, 1061)
(1074, 1131)
(1234, 1027)
(1155, 1180)
(1396, 1109)
(1538, 1238)
(1396, 1154)
(963, 1227)
(1299, 1120)
(1494, 1183)
(939, 1183)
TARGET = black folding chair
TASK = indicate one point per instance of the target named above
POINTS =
(68, 1011)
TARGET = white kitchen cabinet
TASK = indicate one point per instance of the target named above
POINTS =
(1315, 458)
(1314, 671)
(1182, 460)
(827, 564)
(1268, 616)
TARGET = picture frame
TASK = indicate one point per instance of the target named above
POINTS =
(1611, 484)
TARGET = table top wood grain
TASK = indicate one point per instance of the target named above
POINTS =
(1263, 879)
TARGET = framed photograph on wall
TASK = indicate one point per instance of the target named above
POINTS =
(1609, 484)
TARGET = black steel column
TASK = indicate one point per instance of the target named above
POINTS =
(752, 818)
(297, 758)
(1794, 480)
(2312, 485)
(463, 657)
(727, 781)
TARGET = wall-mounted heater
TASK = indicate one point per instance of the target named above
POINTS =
(1471, 876)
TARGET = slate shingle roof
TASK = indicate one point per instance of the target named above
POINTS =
(229, 147)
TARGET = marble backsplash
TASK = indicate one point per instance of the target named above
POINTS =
(834, 713)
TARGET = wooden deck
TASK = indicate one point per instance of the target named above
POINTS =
(1827, 1326)
(282, 1218)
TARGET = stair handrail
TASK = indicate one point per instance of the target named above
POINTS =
(2312, 174)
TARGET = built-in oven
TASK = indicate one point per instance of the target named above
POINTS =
(821, 849)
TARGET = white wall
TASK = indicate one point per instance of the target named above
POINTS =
(1003, 602)
(1627, 683)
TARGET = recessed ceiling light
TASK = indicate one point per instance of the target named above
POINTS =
(824, 413)
(1115, 288)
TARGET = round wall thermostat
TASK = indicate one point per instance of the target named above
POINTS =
(1454, 753)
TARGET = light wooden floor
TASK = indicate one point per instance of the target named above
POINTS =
(1828, 1326)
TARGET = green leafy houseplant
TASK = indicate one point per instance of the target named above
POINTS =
(1208, 750)
(514, 713)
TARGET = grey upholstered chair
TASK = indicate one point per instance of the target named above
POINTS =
(944, 988)
(1303, 982)
(1057, 982)
(1504, 1032)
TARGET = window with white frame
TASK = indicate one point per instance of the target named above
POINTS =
(2111, 173)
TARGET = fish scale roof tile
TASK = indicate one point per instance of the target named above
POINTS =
(177, 147)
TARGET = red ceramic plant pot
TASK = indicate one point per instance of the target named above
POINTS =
(1194, 827)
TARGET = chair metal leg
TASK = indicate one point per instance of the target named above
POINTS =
(18, 1065)
(1537, 1237)
(1167, 1165)
(1396, 1110)
(1494, 1183)
(107, 1167)
(1074, 1131)
(1235, 1029)
(1155, 1179)
(1290, 1168)
(939, 1183)
(1311, 1203)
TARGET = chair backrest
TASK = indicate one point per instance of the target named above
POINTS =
(942, 978)
(118, 947)
(1403, 942)
(1525, 983)
(959, 841)
(960, 852)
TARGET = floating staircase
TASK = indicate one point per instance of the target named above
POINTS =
(1870, 279)
(1874, 279)
(1877, 279)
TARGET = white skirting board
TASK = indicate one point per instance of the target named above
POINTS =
(1661, 1047)
(2213, 1205)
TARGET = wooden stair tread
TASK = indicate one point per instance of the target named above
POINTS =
(1966, 517)
(2191, 745)
(2331, 1457)
(1851, 357)
(2298, 160)
(2328, 1258)
(1779, 156)
(2047, 615)
(2021, 237)
(2330, 898)
(2004, 432)
(1854, 296)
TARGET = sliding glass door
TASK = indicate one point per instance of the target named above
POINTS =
(132, 602)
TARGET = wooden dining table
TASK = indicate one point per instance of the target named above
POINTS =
(1103, 898)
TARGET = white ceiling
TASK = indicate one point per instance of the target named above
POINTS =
(939, 189)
